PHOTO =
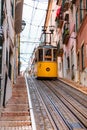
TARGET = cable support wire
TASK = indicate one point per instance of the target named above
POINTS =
(24, 58)
(32, 16)
(39, 8)
(29, 42)
(33, 24)
(39, 27)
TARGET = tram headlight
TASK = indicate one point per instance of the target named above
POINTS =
(47, 69)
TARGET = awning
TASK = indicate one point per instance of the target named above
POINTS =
(58, 12)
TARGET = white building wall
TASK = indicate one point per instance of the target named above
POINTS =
(60, 66)
(56, 38)
(70, 49)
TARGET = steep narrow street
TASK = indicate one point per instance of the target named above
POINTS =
(43, 64)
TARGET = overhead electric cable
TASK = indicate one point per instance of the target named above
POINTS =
(38, 8)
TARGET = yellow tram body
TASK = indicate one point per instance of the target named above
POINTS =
(46, 62)
(46, 69)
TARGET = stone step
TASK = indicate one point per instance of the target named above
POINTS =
(16, 107)
(23, 94)
(18, 102)
(16, 118)
(19, 86)
(19, 92)
(16, 128)
(15, 113)
(14, 123)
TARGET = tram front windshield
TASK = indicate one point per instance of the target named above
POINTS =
(48, 54)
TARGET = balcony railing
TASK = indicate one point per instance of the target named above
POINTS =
(1, 31)
(59, 20)
(59, 49)
(59, 23)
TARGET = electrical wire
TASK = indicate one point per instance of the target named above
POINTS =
(31, 25)
(38, 8)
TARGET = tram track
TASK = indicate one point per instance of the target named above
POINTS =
(75, 101)
(76, 108)
(73, 109)
(55, 114)
(63, 110)
(77, 95)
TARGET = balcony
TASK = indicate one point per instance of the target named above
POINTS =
(65, 36)
(59, 22)
(65, 5)
(59, 48)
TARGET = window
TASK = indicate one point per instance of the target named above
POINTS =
(6, 57)
(1, 39)
(82, 56)
(72, 55)
(57, 2)
(10, 66)
(0, 54)
(81, 10)
(40, 55)
(2, 13)
(12, 7)
(86, 5)
(77, 20)
(68, 62)
(36, 59)
(48, 55)
(78, 63)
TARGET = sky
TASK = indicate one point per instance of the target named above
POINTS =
(34, 13)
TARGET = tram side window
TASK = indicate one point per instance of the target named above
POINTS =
(54, 54)
(40, 55)
(48, 55)
(36, 57)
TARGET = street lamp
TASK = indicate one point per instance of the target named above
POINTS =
(51, 29)
(23, 25)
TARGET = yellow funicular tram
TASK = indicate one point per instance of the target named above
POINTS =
(45, 61)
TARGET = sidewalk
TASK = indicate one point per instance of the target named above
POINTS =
(16, 115)
(75, 85)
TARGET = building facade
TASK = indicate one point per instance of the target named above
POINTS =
(11, 22)
(81, 30)
(69, 19)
